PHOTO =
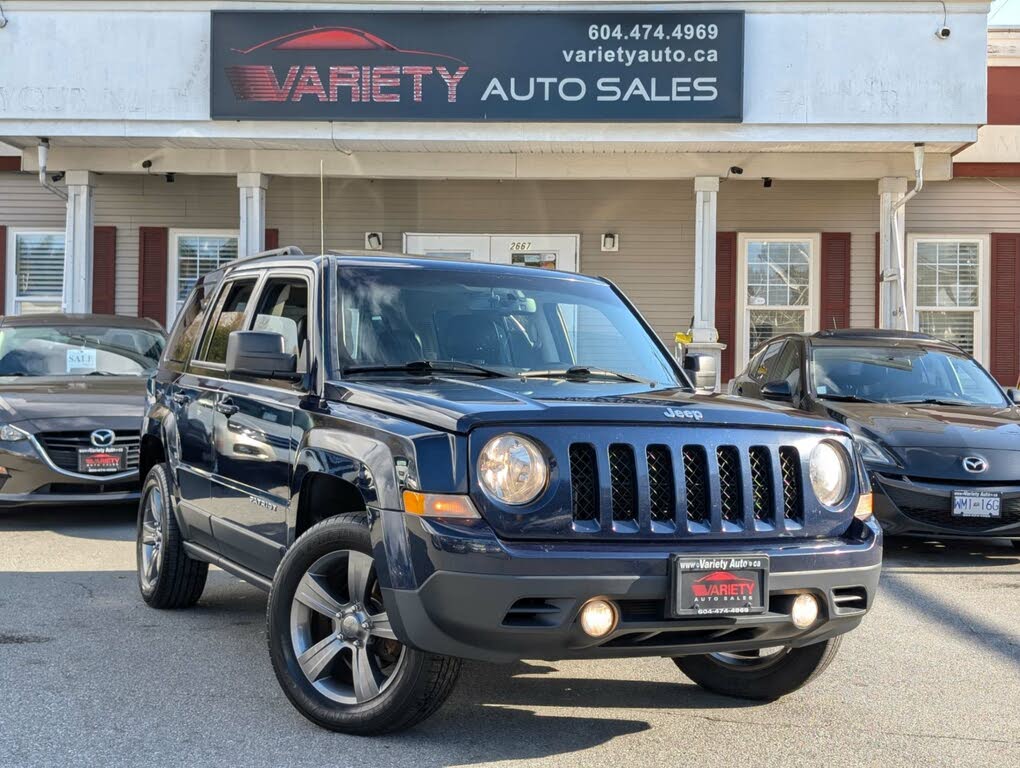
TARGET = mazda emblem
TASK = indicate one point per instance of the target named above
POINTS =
(102, 438)
(975, 464)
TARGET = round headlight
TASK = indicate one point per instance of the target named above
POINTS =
(511, 469)
(830, 473)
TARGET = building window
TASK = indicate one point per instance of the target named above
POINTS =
(35, 276)
(947, 289)
(776, 288)
(192, 254)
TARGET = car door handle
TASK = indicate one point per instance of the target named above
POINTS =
(180, 398)
(227, 408)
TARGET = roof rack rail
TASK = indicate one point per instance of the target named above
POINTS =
(287, 250)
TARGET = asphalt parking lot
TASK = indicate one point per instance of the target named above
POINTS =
(90, 676)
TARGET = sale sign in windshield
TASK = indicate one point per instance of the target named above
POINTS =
(477, 66)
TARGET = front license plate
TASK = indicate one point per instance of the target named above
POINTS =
(976, 504)
(98, 461)
(714, 585)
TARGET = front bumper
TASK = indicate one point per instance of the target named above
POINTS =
(907, 506)
(483, 598)
(29, 479)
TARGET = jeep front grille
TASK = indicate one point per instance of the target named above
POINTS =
(671, 489)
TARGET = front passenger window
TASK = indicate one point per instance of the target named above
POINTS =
(227, 317)
(283, 309)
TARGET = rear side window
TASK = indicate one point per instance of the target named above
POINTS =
(189, 324)
(228, 316)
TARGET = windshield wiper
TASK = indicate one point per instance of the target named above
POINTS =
(583, 373)
(932, 401)
(427, 366)
(845, 398)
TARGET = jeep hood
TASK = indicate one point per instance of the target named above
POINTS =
(457, 404)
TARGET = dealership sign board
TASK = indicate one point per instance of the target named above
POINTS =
(547, 66)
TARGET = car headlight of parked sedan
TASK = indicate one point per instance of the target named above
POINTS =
(512, 470)
(873, 453)
(11, 434)
(829, 469)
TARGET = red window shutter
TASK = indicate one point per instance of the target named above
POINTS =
(272, 239)
(1004, 319)
(726, 299)
(835, 280)
(104, 270)
(152, 267)
(3, 270)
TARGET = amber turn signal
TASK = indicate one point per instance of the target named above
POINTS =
(439, 505)
(865, 506)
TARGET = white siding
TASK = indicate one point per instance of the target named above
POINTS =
(966, 206)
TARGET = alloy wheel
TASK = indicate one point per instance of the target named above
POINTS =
(341, 635)
(152, 536)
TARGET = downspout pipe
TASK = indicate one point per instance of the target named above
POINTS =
(44, 179)
(900, 257)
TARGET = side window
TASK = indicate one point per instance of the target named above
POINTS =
(787, 367)
(189, 324)
(283, 308)
(227, 317)
(767, 362)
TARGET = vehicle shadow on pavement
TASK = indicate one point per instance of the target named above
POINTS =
(115, 522)
(916, 552)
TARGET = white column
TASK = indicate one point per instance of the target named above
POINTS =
(705, 336)
(78, 242)
(891, 189)
(252, 237)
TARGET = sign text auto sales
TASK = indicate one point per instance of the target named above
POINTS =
(460, 66)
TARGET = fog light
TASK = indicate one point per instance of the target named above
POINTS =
(599, 617)
(805, 611)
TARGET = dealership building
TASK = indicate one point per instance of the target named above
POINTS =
(738, 168)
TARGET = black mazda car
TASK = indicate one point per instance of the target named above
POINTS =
(72, 391)
(940, 438)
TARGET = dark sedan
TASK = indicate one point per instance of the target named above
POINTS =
(940, 438)
(72, 391)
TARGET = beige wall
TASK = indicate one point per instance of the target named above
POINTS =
(655, 220)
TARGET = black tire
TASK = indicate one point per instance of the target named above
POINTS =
(766, 680)
(417, 683)
(176, 581)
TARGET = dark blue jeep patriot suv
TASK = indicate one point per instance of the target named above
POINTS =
(428, 460)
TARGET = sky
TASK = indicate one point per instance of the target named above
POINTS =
(1004, 13)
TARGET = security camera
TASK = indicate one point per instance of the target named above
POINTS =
(146, 164)
(943, 33)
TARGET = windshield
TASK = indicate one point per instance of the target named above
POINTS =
(78, 350)
(902, 375)
(497, 323)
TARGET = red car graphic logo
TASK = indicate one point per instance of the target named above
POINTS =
(334, 39)
(723, 584)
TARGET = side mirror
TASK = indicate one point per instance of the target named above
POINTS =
(777, 390)
(701, 369)
(261, 354)
(1014, 395)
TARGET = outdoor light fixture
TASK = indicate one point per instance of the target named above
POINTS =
(373, 241)
(766, 182)
(610, 242)
(170, 178)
